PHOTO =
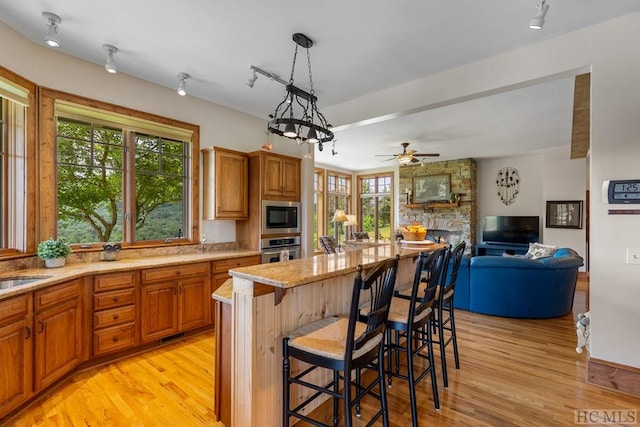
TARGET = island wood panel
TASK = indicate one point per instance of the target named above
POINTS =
(259, 324)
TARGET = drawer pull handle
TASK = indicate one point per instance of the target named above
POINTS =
(115, 299)
(116, 339)
(28, 335)
(116, 317)
(41, 326)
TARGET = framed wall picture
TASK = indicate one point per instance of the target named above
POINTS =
(564, 214)
(432, 187)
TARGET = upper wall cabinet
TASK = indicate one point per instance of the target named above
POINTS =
(225, 184)
(281, 177)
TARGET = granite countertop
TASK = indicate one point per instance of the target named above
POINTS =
(225, 292)
(299, 272)
(53, 276)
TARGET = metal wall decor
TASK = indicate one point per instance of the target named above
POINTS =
(508, 181)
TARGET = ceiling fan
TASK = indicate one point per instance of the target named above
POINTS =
(408, 156)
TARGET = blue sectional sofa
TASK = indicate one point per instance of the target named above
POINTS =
(512, 286)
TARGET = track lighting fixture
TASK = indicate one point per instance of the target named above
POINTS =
(537, 22)
(110, 66)
(254, 76)
(51, 39)
(252, 80)
(182, 79)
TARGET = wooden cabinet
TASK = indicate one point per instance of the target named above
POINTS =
(16, 352)
(58, 332)
(225, 184)
(221, 268)
(280, 177)
(114, 312)
(174, 299)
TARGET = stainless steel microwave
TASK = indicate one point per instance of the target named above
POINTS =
(280, 217)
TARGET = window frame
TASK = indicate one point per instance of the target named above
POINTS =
(331, 195)
(376, 195)
(47, 166)
(18, 223)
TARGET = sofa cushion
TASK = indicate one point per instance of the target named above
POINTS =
(538, 250)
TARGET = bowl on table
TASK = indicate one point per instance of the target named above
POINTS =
(414, 236)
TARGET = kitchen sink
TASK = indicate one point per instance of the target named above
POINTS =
(13, 282)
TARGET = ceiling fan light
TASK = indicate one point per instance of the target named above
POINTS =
(290, 130)
(404, 159)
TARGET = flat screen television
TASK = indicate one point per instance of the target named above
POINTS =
(511, 229)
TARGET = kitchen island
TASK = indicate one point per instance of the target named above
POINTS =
(268, 301)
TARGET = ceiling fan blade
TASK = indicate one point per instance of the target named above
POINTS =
(426, 155)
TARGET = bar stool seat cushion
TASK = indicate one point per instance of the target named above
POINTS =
(327, 337)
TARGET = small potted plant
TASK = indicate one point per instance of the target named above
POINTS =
(53, 252)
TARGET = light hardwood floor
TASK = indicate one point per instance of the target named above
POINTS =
(514, 372)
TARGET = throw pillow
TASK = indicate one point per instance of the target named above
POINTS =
(538, 250)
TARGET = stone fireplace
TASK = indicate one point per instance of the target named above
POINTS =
(453, 222)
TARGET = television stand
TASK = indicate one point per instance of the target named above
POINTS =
(501, 248)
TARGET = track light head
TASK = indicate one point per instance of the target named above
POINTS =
(110, 66)
(537, 22)
(182, 79)
(52, 39)
(252, 80)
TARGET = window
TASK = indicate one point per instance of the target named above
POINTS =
(318, 206)
(121, 176)
(338, 197)
(375, 205)
(17, 191)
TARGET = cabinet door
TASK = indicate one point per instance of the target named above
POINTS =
(158, 311)
(231, 185)
(291, 179)
(272, 177)
(58, 340)
(16, 352)
(194, 302)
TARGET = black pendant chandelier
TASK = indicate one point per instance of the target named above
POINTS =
(297, 116)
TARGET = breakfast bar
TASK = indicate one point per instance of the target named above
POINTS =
(270, 300)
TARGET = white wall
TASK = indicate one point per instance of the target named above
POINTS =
(610, 50)
(565, 179)
(529, 198)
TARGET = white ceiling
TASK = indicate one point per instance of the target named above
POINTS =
(358, 50)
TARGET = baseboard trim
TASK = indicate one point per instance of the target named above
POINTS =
(625, 379)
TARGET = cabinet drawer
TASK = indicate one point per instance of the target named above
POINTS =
(168, 273)
(56, 294)
(111, 282)
(15, 308)
(222, 266)
(115, 338)
(115, 316)
(113, 299)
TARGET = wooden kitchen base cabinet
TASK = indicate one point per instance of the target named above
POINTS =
(16, 352)
(58, 332)
(174, 299)
(115, 297)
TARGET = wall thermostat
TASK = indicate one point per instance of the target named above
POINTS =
(621, 192)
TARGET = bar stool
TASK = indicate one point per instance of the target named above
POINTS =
(444, 319)
(409, 328)
(343, 344)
